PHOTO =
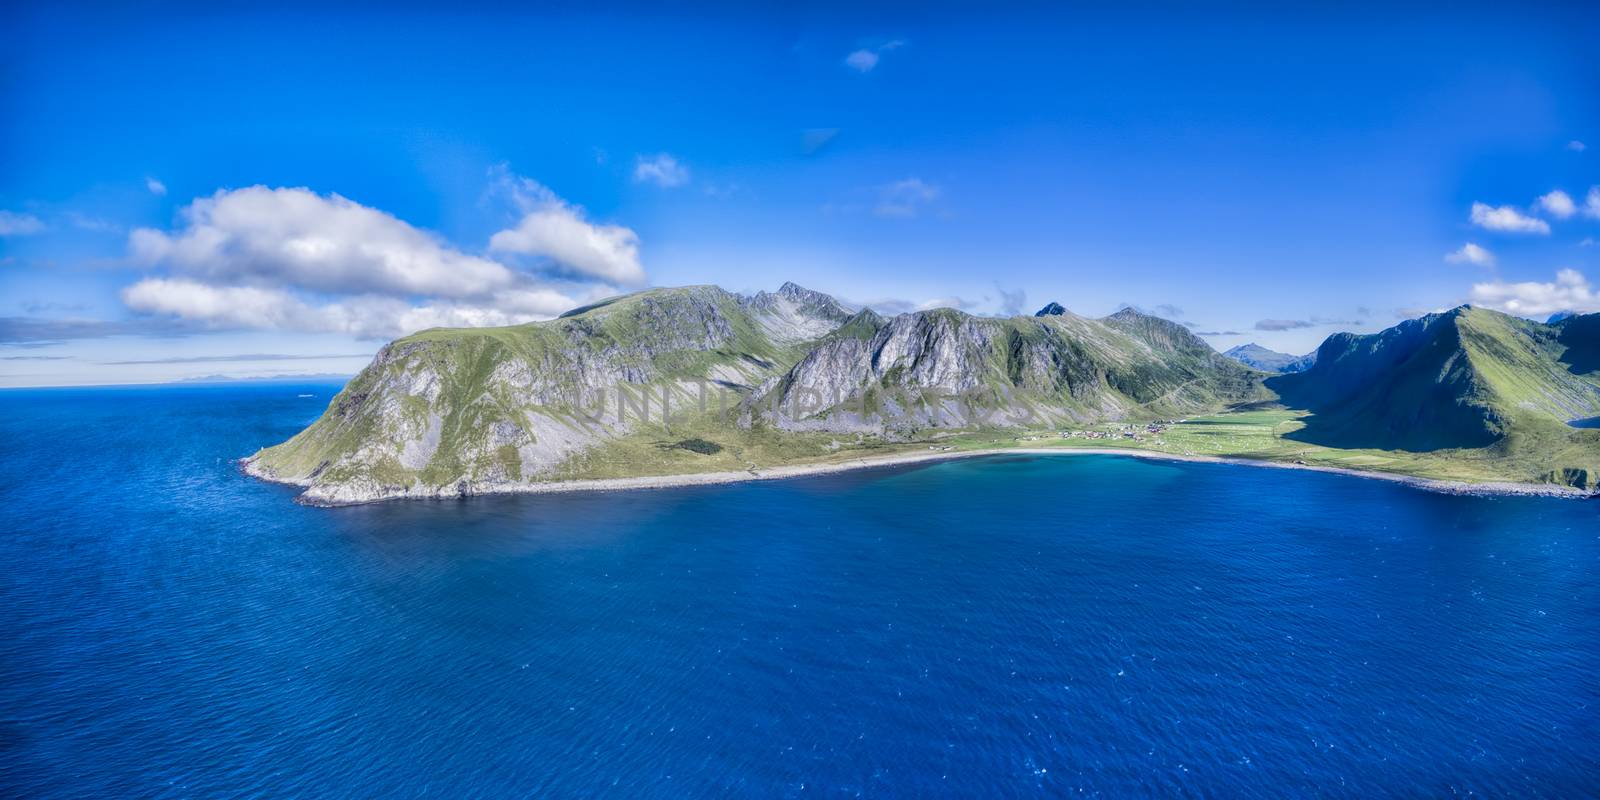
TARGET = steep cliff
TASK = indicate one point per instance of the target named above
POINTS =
(468, 411)
(464, 411)
(946, 369)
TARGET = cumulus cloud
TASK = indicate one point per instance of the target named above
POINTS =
(1591, 203)
(660, 169)
(156, 187)
(15, 224)
(1470, 253)
(1570, 291)
(905, 198)
(553, 229)
(366, 316)
(1577, 146)
(1558, 204)
(1283, 324)
(866, 58)
(292, 259)
(326, 243)
(1507, 219)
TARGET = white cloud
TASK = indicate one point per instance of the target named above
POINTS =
(14, 224)
(861, 60)
(553, 229)
(1558, 204)
(224, 306)
(559, 232)
(946, 302)
(156, 187)
(291, 259)
(905, 198)
(866, 58)
(1471, 254)
(367, 316)
(1570, 292)
(1577, 146)
(661, 169)
(1507, 219)
(1591, 203)
(297, 237)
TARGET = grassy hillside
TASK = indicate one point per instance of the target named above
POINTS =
(1467, 395)
(1469, 383)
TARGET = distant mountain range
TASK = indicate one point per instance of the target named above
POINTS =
(1257, 357)
(794, 376)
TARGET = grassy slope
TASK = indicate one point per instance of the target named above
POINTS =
(1494, 392)
(1471, 387)
(1509, 376)
(638, 330)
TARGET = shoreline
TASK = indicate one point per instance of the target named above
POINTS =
(1506, 488)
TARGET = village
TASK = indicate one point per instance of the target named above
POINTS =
(1135, 432)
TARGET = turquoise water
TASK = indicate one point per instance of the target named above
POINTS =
(1011, 626)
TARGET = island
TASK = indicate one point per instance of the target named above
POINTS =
(697, 384)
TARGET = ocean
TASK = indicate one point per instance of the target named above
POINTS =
(995, 627)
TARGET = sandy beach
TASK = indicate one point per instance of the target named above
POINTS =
(903, 459)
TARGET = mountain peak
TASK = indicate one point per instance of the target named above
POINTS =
(1257, 357)
(795, 313)
(795, 291)
(1051, 309)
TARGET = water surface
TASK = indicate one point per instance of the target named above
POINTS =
(1008, 626)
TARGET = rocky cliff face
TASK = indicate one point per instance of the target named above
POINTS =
(451, 412)
(796, 314)
(456, 412)
(946, 369)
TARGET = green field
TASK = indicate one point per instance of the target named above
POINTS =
(1255, 434)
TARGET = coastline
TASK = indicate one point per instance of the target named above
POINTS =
(903, 459)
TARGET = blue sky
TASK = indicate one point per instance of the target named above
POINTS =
(213, 191)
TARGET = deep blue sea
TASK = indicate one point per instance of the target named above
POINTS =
(1010, 626)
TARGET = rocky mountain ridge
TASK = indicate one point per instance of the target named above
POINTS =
(1257, 357)
(465, 411)
(665, 376)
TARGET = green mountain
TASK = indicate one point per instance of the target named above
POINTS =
(698, 380)
(945, 369)
(1257, 357)
(756, 380)
(1468, 379)
(458, 411)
